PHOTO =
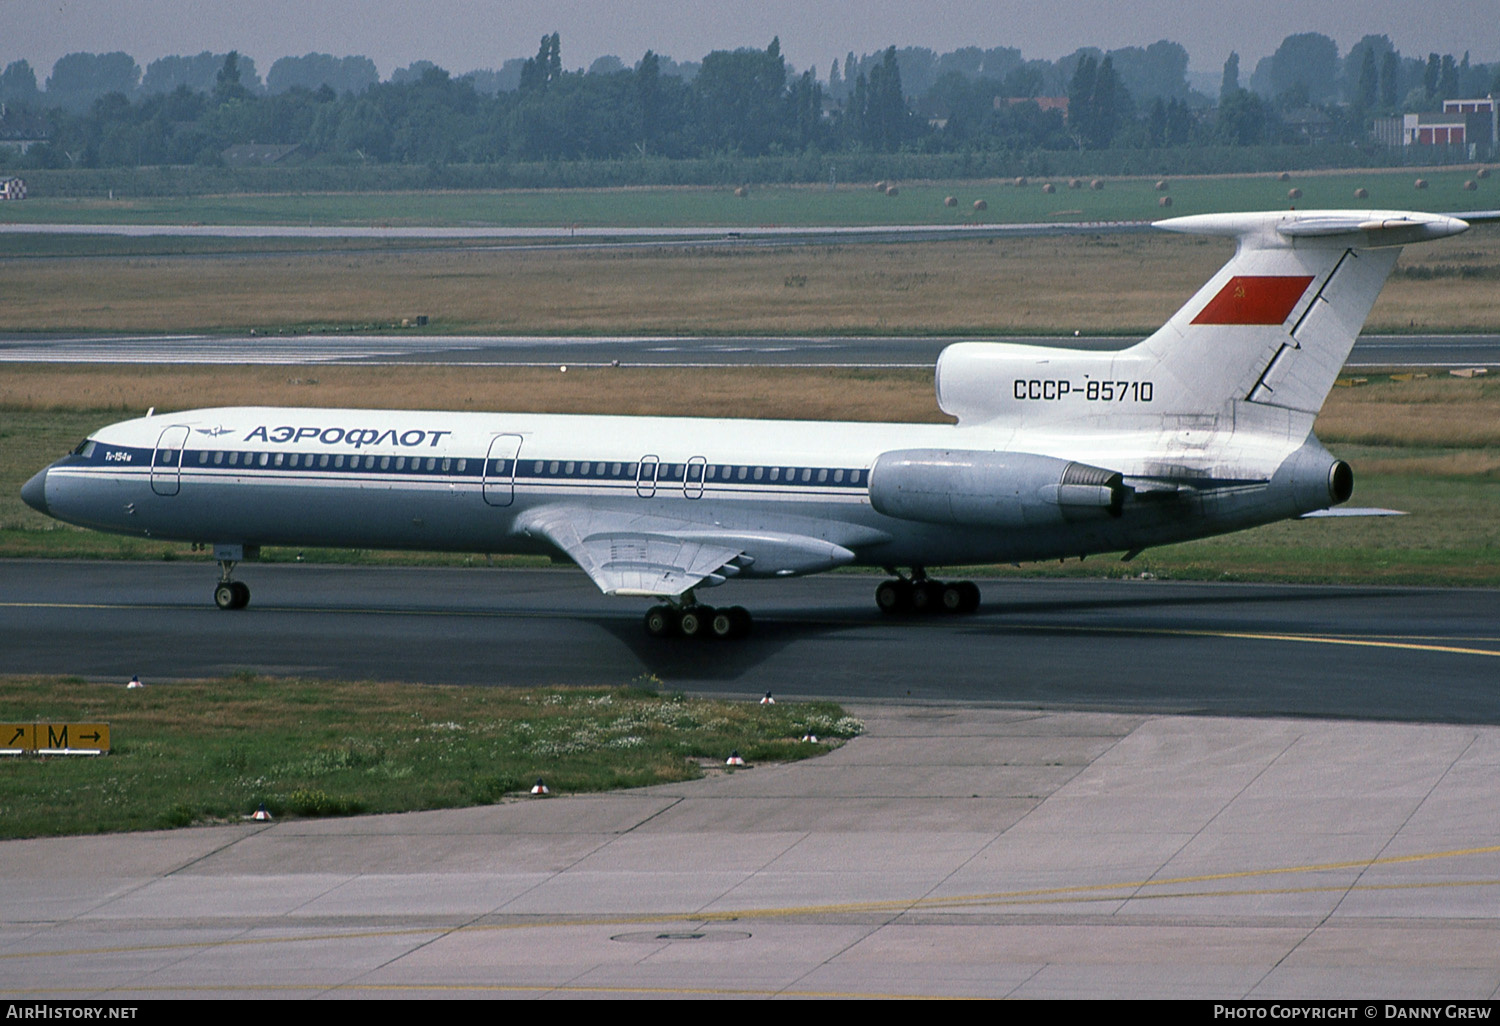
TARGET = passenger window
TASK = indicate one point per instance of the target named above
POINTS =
(807, 473)
(838, 477)
(760, 472)
(400, 462)
(323, 460)
(744, 473)
(822, 475)
(614, 469)
(568, 469)
(370, 462)
(280, 456)
(234, 459)
(203, 457)
(432, 463)
(218, 458)
(552, 467)
(385, 463)
(338, 461)
(775, 473)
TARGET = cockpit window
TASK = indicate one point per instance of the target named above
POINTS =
(84, 448)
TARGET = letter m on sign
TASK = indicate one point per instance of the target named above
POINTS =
(57, 735)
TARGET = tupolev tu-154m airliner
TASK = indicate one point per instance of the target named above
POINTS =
(1205, 427)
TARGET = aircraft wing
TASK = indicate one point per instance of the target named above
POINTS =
(629, 554)
(651, 555)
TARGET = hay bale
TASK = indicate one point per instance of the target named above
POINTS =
(1161, 186)
(950, 201)
(1020, 181)
(1164, 201)
(1074, 183)
(742, 191)
(1285, 176)
(1483, 172)
(891, 190)
(1049, 188)
(1361, 193)
(880, 185)
(1294, 193)
(1420, 183)
(981, 205)
(1470, 185)
(1096, 184)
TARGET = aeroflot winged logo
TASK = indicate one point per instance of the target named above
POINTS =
(1254, 299)
(355, 436)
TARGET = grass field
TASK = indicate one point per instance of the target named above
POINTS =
(855, 203)
(213, 751)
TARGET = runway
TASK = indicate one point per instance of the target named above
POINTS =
(1428, 655)
(1430, 351)
(1031, 811)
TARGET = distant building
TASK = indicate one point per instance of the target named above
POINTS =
(1309, 123)
(20, 131)
(1471, 124)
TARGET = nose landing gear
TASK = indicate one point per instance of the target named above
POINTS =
(231, 594)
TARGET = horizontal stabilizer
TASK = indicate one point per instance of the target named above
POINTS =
(1363, 229)
(1354, 511)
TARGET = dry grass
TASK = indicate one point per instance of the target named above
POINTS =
(774, 393)
(1101, 284)
(1440, 410)
(1027, 285)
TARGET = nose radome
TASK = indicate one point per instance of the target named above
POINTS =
(34, 492)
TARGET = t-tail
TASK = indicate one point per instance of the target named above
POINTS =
(1256, 350)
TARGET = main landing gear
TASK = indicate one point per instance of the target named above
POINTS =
(697, 621)
(919, 595)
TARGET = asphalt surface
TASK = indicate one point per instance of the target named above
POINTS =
(1129, 646)
(1037, 819)
(1437, 351)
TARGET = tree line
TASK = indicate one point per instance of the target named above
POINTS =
(101, 111)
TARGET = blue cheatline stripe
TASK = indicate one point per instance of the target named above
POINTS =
(711, 475)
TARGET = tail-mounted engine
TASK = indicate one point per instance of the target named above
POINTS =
(992, 489)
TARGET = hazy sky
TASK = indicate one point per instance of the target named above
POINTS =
(462, 35)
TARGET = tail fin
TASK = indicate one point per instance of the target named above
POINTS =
(1276, 324)
(1261, 343)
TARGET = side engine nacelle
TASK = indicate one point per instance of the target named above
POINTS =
(992, 489)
